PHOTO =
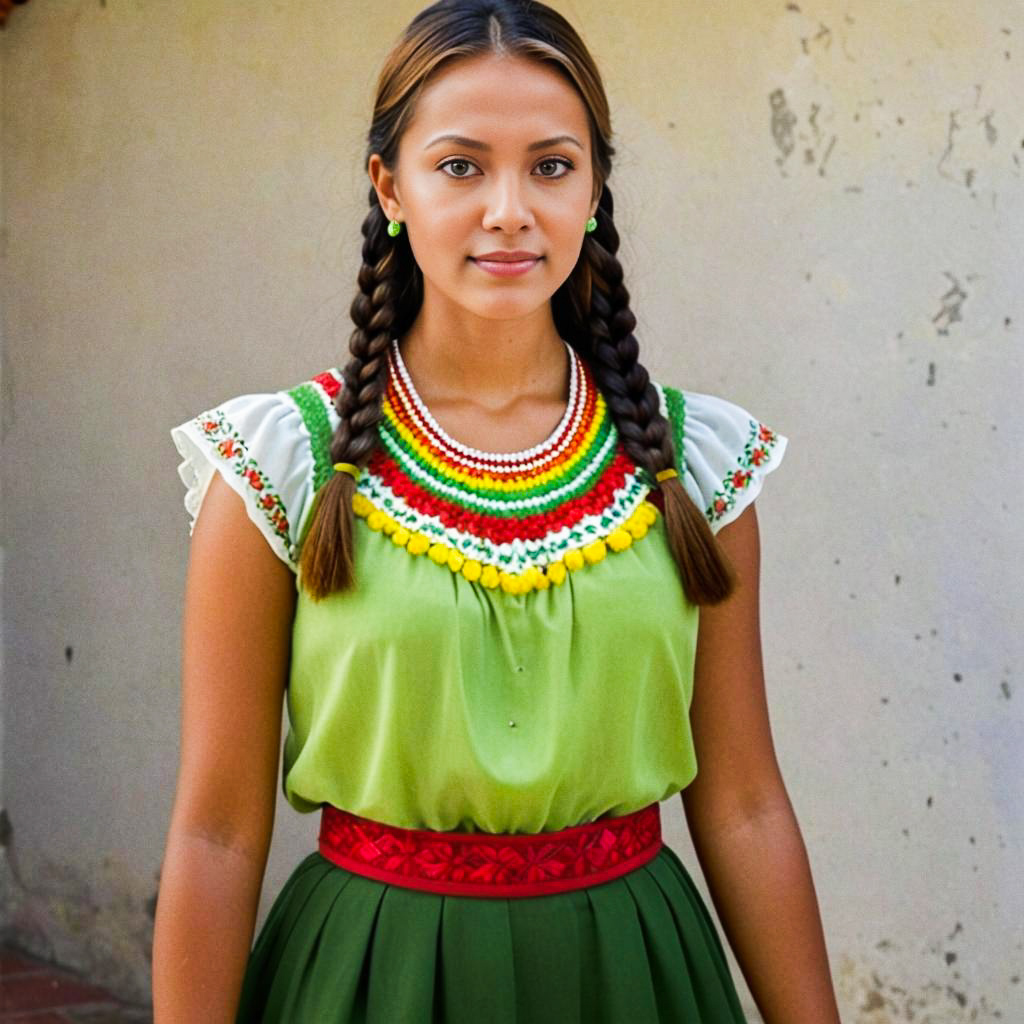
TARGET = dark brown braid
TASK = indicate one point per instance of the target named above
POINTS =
(611, 349)
(326, 562)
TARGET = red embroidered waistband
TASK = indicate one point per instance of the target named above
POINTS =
(491, 864)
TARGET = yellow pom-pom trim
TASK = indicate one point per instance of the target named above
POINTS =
(418, 543)
(648, 511)
(573, 559)
(491, 576)
(556, 572)
(636, 527)
(532, 575)
(618, 540)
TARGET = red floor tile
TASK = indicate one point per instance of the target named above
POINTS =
(13, 962)
(46, 990)
(35, 992)
(45, 1017)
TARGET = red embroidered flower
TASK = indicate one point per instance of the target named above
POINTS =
(495, 865)
(543, 862)
(433, 862)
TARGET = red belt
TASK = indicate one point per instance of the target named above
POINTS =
(491, 864)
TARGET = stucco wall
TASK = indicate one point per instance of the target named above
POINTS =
(822, 220)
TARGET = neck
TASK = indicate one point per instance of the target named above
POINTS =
(489, 363)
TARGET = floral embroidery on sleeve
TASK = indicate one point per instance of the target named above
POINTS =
(756, 452)
(230, 446)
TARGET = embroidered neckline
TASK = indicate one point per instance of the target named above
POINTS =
(516, 520)
(517, 525)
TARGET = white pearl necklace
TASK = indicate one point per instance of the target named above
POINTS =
(474, 458)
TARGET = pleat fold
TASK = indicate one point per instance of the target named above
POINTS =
(339, 948)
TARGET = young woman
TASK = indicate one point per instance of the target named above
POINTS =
(508, 587)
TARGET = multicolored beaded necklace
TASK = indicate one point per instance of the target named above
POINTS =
(515, 520)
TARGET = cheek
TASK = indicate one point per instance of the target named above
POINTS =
(443, 236)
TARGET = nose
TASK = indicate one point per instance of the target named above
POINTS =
(507, 206)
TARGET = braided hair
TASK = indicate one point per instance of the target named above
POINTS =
(590, 309)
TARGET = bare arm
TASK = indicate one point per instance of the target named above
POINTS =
(744, 830)
(239, 606)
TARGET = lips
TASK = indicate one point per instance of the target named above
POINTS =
(506, 267)
(503, 256)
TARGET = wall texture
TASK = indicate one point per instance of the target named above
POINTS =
(822, 220)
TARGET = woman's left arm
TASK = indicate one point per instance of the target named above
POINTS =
(741, 821)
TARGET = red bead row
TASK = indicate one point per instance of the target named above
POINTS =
(501, 529)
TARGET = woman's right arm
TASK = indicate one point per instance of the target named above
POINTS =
(239, 607)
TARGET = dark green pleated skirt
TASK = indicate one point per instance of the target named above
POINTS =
(337, 948)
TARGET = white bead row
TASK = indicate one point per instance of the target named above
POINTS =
(474, 458)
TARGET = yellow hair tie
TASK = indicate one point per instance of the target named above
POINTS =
(347, 467)
(665, 474)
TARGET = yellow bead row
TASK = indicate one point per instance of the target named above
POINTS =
(534, 578)
(452, 471)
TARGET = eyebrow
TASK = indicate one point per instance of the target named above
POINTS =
(474, 144)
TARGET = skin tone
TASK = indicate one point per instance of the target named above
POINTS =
(484, 353)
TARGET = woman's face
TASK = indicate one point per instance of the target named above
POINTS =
(518, 177)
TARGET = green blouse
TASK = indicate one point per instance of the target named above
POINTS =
(517, 654)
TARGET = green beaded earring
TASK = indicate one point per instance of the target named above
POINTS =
(592, 224)
(394, 227)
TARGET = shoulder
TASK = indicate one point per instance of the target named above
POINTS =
(271, 447)
(723, 450)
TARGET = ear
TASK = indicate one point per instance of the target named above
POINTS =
(387, 191)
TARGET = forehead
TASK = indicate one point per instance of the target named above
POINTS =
(499, 100)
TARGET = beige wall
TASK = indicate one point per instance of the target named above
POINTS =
(822, 220)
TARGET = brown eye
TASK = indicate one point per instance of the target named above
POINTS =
(457, 160)
(554, 161)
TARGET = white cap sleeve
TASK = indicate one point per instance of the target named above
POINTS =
(270, 448)
(724, 452)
